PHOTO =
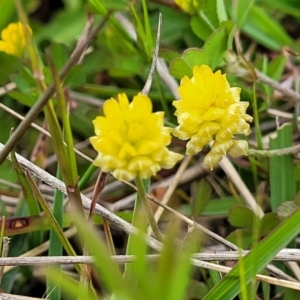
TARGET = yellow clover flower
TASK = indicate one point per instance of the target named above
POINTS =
(131, 140)
(189, 6)
(13, 39)
(210, 110)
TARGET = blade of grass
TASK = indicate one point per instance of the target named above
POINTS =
(282, 173)
(109, 272)
(133, 241)
(33, 207)
(70, 287)
(66, 244)
(62, 103)
(265, 250)
(55, 246)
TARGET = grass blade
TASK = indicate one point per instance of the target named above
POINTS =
(282, 174)
(281, 236)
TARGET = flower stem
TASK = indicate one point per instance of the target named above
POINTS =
(146, 205)
(275, 152)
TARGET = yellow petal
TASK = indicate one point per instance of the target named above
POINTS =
(141, 103)
(123, 174)
(213, 113)
(239, 147)
(111, 108)
(139, 164)
(183, 135)
(211, 160)
(226, 133)
(196, 144)
(208, 129)
(127, 151)
(135, 132)
(169, 159)
(123, 102)
(221, 148)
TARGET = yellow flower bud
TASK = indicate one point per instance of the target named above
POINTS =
(189, 6)
(13, 41)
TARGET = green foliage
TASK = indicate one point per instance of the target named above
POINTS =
(284, 233)
(212, 53)
(239, 37)
(202, 198)
(282, 174)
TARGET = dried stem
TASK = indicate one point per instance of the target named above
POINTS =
(292, 95)
(275, 152)
(148, 83)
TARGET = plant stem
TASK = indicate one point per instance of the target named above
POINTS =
(146, 205)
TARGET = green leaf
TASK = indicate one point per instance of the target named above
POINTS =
(230, 29)
(115, 5)
(26, 85)
(268, 223)
(60, 54)
(282, 174)
(280, 237)
(65, 27)
(290, 7)
(221, 11)
(179, 68)
(201, 29)
(273, 69)
(265, 30)
(209, 13)
(276, 67)
(241, 216)
(203, 195)
(75, 78)
(215, 47)
(25, 99)
(24, 80)
(196, 289)
(168, 55)
(241, 237)
(7, 9)
(195, 57)
(240, 11)
(211, 54)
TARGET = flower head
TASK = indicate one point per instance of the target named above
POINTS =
(210, 111)
(13, 41)
(131, 140)
(189, 6)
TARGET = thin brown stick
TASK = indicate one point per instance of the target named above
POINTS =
(171, 188)
(283, 255)
(148, 83)
(292, 95)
